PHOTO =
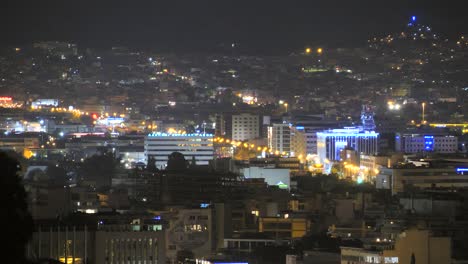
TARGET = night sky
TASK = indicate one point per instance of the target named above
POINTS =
(279, 26)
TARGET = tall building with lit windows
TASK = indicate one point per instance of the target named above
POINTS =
(279, 137)
(245, 127)
(193, 146)
(331, 143)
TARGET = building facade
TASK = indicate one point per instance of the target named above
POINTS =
(279, 138)
(418, 143)
(411, 246)
(245, 127)
(198, 147)
(331, 142)
(397, 179)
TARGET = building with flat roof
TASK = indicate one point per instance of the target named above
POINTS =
(279, 137)
(193, 146)
(245, 127)
(427, 142)
(330, 143)
(397, 179)
(421, 245)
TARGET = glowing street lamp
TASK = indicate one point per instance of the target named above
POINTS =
(308, 50)
(423, 106)
(319, 51)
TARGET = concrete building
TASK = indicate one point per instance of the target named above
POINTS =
(420, 245)
(245, 127)
(397, 179)
(273, 176)
(279, 138)
(371, 164)
(126, 243)
(246, 244)
(298, 142)
(190, 229)
(331, 142)
(19, 144)
(284, 228)
(193, 146)
(418, 143)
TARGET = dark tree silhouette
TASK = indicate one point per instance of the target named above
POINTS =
(151, 166)
(17, 219)
(57, 175)
(99, 168)
(413, 259)
(176, 162)
(184, 254)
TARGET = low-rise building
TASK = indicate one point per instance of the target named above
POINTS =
(397, 179)
(419, 143)
(284, 228)
(411, 246)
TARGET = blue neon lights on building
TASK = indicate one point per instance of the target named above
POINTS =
(428, 143)
(413, 18)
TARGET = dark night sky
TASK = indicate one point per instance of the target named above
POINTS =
(197, 24)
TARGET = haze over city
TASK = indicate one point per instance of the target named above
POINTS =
(234, 132)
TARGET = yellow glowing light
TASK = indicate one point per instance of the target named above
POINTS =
(308, 50)
(27, 153)
(70, 260)
(319, 50)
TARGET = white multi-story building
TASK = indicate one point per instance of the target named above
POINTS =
(193, 146)
(416, 143)
(279, 137)
(245, 127)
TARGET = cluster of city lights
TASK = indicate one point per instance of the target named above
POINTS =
(393, 106)
(251, 146)
(309, 51)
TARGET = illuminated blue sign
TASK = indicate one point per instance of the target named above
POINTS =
(204, 205)
(413, 18)
(429, 143)
(462, 169)
(158, 217)
(300, 127)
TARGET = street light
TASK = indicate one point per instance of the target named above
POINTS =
(423, 106)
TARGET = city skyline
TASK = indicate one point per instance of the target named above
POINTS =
(203, 26)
